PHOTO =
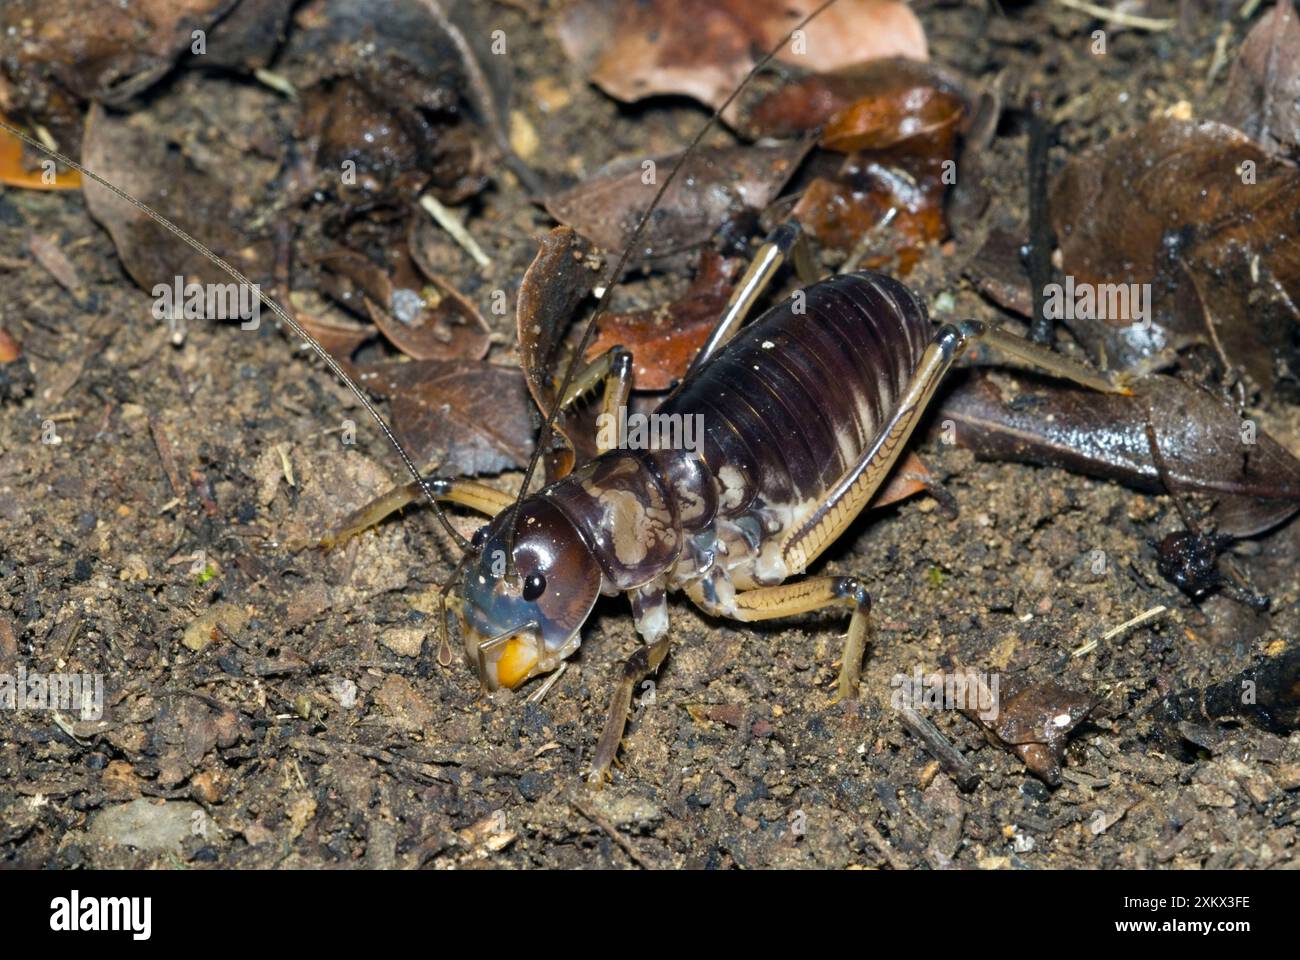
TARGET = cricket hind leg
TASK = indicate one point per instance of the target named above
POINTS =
(855, 488)
(785, 241)
(793, 599)
(817, 593)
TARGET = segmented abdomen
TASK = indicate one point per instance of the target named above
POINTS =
(795, 398)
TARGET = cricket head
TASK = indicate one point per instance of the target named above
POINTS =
(522, 622)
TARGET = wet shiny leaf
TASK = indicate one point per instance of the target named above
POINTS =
(1253, 481)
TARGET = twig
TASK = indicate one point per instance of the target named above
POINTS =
(864, 244)
(959, 768)
(612, 831)
(448, 221)
(1117, 17)
(1041, 133)
(164, 447)
(1127, 625)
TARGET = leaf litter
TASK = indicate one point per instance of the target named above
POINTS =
(366, 755)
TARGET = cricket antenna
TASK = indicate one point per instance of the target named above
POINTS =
(615, 275)
(334, 366)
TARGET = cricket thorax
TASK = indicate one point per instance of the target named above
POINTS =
(627, 514)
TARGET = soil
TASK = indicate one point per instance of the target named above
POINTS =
(268, 706)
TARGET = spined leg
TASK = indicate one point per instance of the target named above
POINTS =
(804, 596)
(757, 276)
(636, 668)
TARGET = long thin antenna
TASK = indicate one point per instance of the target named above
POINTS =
(274, 307)
(613, 278)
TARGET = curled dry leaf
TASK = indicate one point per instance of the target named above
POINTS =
(1035, 723)
(559, 279)
(809, 103)
(900, 139)
(664, 340)
(466, 416)
(52, 62)
(704, 48)
(869, 100)
(909, 477)
(131, 153)
(425, 321)
(339, 335)
(1207, 219)
(715, 186)
(1253, 481)
(891, 118)
(1264, 86)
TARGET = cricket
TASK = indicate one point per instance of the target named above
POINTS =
(797, 395)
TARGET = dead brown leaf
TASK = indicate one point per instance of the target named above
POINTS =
(1253, 481)
(704, 48)
(1203, 215)
(467, 416)
(714, 186)
(1264, 86)
(664, 340)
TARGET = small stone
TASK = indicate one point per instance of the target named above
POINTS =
(403, 641)
(1287, 776)
(206, 787)
(550, 94)
(146, 824)
(227, 618)
(344, 691)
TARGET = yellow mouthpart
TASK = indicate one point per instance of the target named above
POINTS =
(516, 662)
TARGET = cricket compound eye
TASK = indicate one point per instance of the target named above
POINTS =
(534, 586)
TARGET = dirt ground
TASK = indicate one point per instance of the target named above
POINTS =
(274, 698)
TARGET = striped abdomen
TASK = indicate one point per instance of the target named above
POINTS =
(793, 401)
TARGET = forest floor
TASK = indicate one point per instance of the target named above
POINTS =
(276, 700)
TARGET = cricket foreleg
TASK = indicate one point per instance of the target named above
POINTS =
(467, 493)
(614, 368)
